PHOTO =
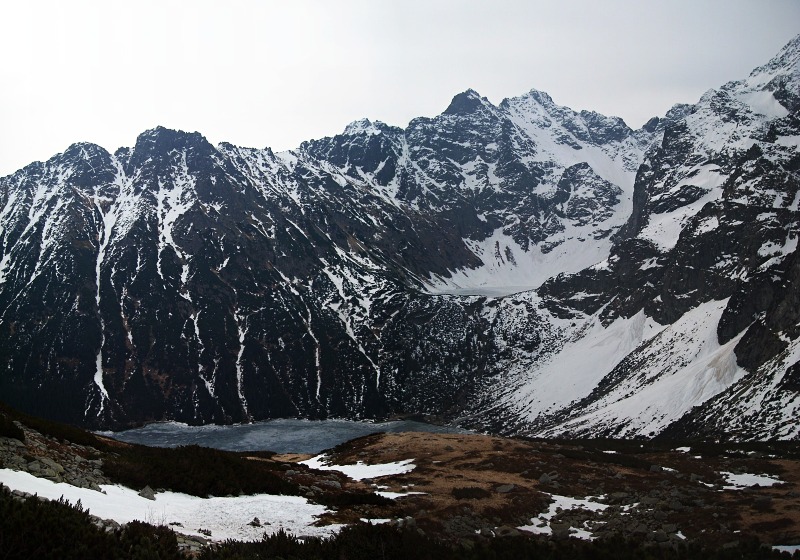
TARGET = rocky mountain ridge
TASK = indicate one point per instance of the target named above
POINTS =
(523, 268)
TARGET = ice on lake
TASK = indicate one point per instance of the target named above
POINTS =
(281, 435)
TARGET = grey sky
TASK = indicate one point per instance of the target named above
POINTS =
(264, 73)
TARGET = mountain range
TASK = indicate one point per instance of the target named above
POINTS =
(519, 268)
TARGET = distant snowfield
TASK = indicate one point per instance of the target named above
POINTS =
(226, 518)
(485, 291)
(508, 269)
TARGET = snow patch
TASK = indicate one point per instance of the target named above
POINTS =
(745, 480)
(360, 470)
(665, 229)
(508, 269)
(764, 103)
(790, 548)
(541, 525)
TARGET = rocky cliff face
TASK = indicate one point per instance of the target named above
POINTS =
(369, 273)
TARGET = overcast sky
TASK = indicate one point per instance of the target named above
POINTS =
(275, 73)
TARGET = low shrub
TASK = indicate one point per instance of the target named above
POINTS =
(371, 542)
(470, 493)
(199, 471)
(9, 429)
(59, 530)
(345, 499)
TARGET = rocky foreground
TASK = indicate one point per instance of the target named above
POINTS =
(468, 489)
(473, 486)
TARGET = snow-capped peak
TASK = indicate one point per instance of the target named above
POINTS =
(363, 126)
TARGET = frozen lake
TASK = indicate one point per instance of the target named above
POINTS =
(281, 436)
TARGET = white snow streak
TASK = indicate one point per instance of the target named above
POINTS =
(349, 314)
(109, 220)
(241, 327)
(171, 205)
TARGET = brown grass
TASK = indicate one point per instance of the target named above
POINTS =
(448, 463)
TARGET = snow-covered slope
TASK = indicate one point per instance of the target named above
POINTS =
(689, 327)
(521, 267)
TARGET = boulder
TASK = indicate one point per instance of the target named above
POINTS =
(147, 493)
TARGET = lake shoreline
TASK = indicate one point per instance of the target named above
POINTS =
(279, 435)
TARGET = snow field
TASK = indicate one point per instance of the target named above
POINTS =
(226, 518)
(576, 369)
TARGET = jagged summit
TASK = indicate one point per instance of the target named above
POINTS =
(364, 126)
(160, 138)
(465, 103)
(773, 88)
(541, 97)
(84, 149)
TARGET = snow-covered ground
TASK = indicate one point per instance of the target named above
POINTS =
(744, 480)
(360, 470)
(226, 518)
